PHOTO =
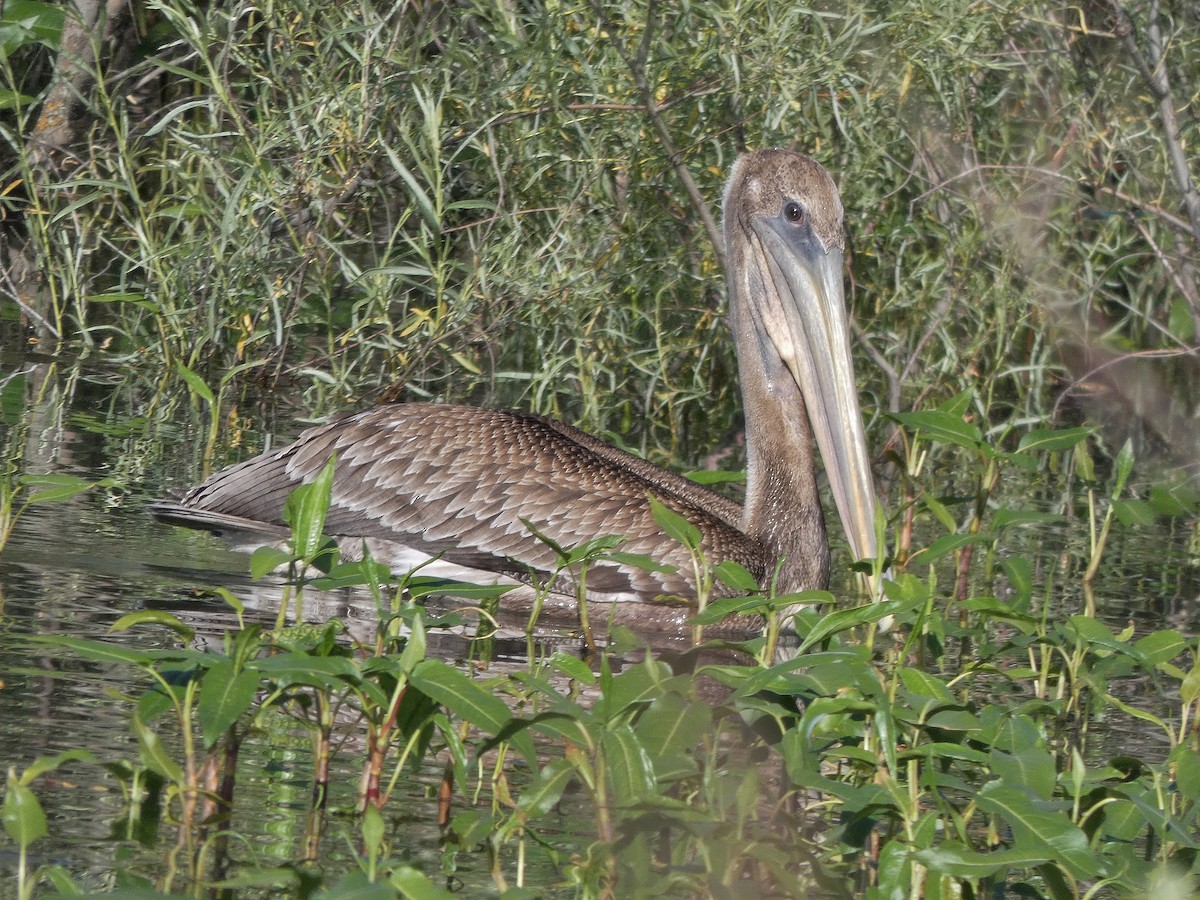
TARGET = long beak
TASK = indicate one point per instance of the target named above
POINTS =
(811, 333)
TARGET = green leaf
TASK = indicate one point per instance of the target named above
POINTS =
(96, 651)
(1134, 512)
(305, 512)
(958, 861)
(735, 576)
(547, 789)
(22, 814)
(845, 619)
(224, 696)
(266, 560)
(673, 724)
(573, 667)
(155, 617)
(1040, 828)
(1006, 517)
(196, 384)
(414, 885)
(1052, 440)
(1031, 767)
(1020, 575)
(630, 769)
(155, 755)
(674, 525)
(947, 544)
(1161, 646)
(941, 428)
(53, 487)
(465, 698)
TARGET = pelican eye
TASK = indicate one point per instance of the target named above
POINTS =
(793, 212)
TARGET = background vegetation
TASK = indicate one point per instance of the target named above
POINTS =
(515, 204)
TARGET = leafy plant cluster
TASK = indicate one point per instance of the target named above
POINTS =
(961, 754)
(516, 204)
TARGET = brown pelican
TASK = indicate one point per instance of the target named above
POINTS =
(463, 485)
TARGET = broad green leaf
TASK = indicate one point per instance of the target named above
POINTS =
(1032, 767)
(224, 696)
(546, 790)
(460, 695)
(415, 885)
(302, 668)
(630, 769)
(961, 862)
(1134, 512)
(1161, 646)
(53, 487)
(672, 724)
(1041, 828)
(266, 560)
(845, 619)
(735, 576)
(573, 667)
(674, 525)
(1020, 575)
(305, 511)
(22, 814)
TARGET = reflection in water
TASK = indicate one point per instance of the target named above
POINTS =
(74, 568)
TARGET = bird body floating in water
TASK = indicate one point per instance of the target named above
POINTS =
(463, 485)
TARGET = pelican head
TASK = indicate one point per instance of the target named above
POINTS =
(784, 245)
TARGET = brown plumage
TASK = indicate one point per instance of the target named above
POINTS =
(459, 483)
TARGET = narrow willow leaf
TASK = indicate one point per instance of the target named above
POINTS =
(1052, 440)
(1124, 466)
(53, 488)
(941, 428)
(96, 651)
(224, 696)
(155, 617)
(1134, 512)
(414, 646)
(196, 384)
(947, 544)
(155, 755)
(1007, 517)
